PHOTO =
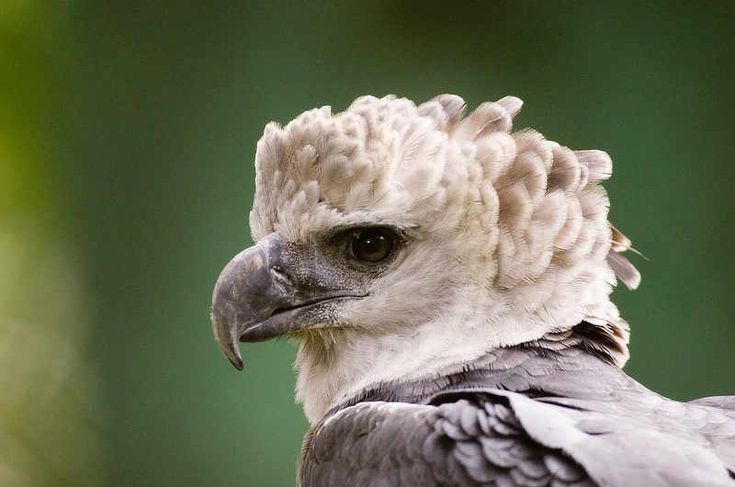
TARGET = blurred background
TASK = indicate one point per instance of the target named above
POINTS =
(127, 135)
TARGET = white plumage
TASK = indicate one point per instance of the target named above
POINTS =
(517, 222)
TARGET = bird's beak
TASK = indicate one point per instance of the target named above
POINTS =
(259, 296)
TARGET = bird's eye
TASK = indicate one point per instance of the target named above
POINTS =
(372, 244)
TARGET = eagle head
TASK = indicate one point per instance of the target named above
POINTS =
(396, 241)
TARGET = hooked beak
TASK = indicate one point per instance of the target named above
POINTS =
(256, 297)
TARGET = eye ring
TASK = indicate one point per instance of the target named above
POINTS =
(372, 245)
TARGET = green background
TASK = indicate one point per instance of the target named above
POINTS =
(127, 135)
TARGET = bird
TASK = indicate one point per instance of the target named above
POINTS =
(448, 282)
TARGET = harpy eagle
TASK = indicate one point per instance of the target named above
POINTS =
(448, 282)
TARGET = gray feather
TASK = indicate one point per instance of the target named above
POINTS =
(569, 420)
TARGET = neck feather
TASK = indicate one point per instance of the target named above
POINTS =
(336, 364)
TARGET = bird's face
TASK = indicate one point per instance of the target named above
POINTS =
(372, 277)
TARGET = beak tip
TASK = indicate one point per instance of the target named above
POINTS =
(232, 352)
(227, 343)
(237, 363)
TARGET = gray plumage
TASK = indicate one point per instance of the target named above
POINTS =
(551, 418)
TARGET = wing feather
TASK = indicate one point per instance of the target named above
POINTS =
(497, 437)
(457, 443)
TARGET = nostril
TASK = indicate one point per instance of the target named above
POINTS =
(280, 275)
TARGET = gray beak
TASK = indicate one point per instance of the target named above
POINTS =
(246, 293)
(269, 290)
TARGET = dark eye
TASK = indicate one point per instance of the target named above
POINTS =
(372, 244)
